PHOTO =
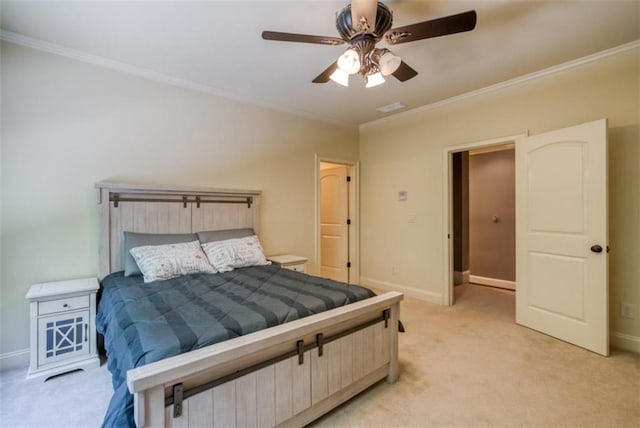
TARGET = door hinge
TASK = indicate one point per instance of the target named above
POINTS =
(348, 264)
(348, 178)
(448, 236)
(348, 221)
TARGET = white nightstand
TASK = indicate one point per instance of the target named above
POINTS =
(63, 327)
(291, 262)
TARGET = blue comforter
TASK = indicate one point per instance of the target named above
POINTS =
(142, 323)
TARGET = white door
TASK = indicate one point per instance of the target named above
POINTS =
(334, 232)
(561, 235)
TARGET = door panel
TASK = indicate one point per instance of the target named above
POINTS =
(331, 254)
(559, 167)
(561, 211)
(334, 211)
(549, 289)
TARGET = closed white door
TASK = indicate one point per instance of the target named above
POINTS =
(561, 235)
(334, 232)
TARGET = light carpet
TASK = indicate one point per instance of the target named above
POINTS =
(468, 365)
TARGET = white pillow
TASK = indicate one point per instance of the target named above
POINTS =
(234, 253)
(157, 262)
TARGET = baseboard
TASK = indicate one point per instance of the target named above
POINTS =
(460, 277)
(493, 282)
(14, 360)
(626, 342)
(427, 296)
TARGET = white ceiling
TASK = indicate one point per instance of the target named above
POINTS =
(217, 45)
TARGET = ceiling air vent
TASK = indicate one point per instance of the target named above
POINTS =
(391, 107)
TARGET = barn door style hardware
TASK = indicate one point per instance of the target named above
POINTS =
(319, 343)
(385, 317)
(184, 200)
(179, 394)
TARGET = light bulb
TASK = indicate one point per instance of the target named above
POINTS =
(340, 77)
(389, 63)
(374, 79)
(349, 62)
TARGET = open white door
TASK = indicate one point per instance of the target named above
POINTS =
(561, 235)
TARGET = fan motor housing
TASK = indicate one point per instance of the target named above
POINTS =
(384, 20)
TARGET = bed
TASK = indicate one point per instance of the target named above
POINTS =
(257, 346)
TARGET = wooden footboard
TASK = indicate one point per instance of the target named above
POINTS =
(287, 375)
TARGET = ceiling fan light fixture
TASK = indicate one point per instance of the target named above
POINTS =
(389, 63)
(349, 62)
(340, 77)
(374, 79)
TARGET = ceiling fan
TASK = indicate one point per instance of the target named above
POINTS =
(361, 25)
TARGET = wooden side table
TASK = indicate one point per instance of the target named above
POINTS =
(289, 261)
(63, 327)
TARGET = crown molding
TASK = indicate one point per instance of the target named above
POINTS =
(52, 48)
(508, 83)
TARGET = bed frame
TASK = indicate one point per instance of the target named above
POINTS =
(286, 375)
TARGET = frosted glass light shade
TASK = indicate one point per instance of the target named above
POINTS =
(374, 79)
(340, 77)
(389, 63)
(349, 62)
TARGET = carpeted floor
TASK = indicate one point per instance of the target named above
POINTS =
(468, 365)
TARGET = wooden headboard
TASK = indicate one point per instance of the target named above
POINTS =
(166, 209)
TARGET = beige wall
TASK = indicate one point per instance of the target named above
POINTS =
(406, 153)
(68, 124)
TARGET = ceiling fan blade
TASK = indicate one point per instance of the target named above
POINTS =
(324, 76)
(459, 23)
(404, 72)
(366, 9)
(301, 38)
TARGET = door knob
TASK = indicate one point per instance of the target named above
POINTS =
(596, 248)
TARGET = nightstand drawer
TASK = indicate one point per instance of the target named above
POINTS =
(63, 305)
(297, 268)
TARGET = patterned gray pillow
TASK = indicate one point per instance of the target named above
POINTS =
(134, 239)
(234, 253)
(158, 262)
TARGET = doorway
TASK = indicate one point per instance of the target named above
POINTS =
(336, 220)
(460, 272)
(483, 201)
